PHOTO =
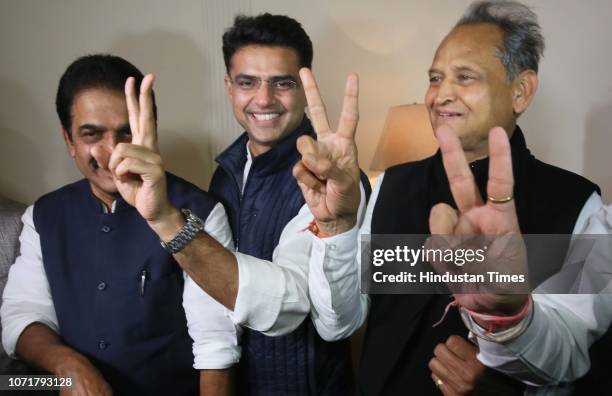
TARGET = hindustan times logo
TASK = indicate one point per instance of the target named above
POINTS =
(404, 254)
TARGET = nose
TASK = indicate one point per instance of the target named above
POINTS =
(445, 92)
(102, 151)
(264, 95)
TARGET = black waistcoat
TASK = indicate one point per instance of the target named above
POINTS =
(94, 262)
(299, 363)
(400, 338)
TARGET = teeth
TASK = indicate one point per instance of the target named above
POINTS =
(448, 114)
(265, 117)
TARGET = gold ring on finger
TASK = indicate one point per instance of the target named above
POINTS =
(500, 200)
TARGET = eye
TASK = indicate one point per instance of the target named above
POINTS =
(284, 85)
(245, 83)
(125, 134)
(434, 78)
(88, 134)
(466, 77)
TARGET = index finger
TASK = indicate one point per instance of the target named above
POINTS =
(501, 178)
(318, 115)
(148, 128)
(350, 107)
(133, 109)
(462, 184)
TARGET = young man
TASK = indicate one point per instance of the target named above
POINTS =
(268, 211)
(93, 295)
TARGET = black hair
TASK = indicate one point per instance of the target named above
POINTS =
(93, 71)
(270, 30)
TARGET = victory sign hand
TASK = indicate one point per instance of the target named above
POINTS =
(328, 172)
(137, 166)
(495, 218)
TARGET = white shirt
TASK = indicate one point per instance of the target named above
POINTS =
(544, 354)
(27, 299)
(554, 350)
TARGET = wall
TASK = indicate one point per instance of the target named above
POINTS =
(390, 44)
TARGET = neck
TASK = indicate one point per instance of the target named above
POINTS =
(479, 150)
(257, 149)
(105, 198)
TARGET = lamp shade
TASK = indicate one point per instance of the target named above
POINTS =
(407, 136)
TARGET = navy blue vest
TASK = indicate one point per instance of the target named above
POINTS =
(400, 339)
(94, 263)
(300, 363)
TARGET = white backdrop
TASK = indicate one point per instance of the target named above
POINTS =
(389, 43)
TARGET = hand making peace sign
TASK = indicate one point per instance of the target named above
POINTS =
(328, 173)
(496, 218)
(137, 166)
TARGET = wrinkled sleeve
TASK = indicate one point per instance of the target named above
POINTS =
(215, 336)
(27, 296)
(273, 295)
(554, 349)
(338, 306)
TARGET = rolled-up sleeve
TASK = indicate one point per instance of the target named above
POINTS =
(273, 295)
(339, 308)
(27, 296)
(215, 336)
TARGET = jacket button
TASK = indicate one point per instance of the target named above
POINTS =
(102, 344)
(101, 286)
(106, 229)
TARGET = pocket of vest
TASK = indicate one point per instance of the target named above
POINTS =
(157, 312)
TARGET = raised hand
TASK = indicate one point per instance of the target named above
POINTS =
(137, 167)
(496, 219)
(328, 172)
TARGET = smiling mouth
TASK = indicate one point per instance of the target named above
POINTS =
(448, 114)
(265, 116)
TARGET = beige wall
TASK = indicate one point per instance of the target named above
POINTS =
(389, 43)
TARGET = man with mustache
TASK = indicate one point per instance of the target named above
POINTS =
(93, 296)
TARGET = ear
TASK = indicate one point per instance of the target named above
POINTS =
(228, 85)
(524, 88)
(69, 142)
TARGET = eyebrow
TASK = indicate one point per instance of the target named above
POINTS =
(466, 68)
(91, 127)
(273, 78)
(98, 128)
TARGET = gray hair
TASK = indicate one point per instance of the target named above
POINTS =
(523, 43)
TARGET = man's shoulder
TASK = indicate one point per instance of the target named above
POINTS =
(72, 189)
(399, 174)
(552, 177)
(185, 194)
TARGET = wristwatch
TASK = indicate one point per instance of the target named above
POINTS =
(193, 225)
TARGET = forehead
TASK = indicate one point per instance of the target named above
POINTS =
(99, 106)
(473, 44)
(264, 61)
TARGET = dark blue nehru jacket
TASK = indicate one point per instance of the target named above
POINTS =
(300, 363)
(94, 263)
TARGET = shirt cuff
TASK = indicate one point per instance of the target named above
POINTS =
(338, 249)
(260, 293)
(526, 348)
(12, 332)
(215, 355)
